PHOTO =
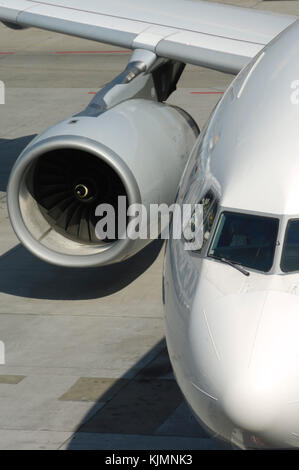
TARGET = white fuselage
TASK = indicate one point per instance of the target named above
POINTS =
(233, 338)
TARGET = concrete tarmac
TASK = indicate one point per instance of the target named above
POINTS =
(86, 366)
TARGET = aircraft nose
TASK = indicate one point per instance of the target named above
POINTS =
(250, 406)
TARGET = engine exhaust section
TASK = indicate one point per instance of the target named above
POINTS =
(121, 145)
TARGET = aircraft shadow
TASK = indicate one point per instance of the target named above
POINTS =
(10, 149)
(143, 409)
(24, 275)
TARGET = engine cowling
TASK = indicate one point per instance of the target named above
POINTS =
(137, 149)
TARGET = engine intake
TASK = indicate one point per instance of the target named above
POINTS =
(68, 185)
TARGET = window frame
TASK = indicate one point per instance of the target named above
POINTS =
(202, 250)
(253, 214)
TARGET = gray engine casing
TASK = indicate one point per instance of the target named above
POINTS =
(143, 147)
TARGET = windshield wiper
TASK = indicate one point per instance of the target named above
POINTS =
(232, 264)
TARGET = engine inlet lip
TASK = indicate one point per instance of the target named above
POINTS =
(115, 251)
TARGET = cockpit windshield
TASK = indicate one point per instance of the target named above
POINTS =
(290, 254)
(248, 240)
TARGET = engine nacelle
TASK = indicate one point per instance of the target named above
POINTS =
(137, 149)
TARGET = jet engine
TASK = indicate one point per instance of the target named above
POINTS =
(137, 149)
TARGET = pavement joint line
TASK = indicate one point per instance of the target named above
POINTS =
(61, 315)
(68, 439)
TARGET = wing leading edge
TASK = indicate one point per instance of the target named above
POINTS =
(217, 36)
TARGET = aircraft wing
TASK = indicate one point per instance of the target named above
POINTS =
(217, 36)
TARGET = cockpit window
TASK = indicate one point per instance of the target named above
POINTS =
(248, 240)
(290, 253)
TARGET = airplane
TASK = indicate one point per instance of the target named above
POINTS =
(231, 306)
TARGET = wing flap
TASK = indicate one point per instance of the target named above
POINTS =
(227, 55)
